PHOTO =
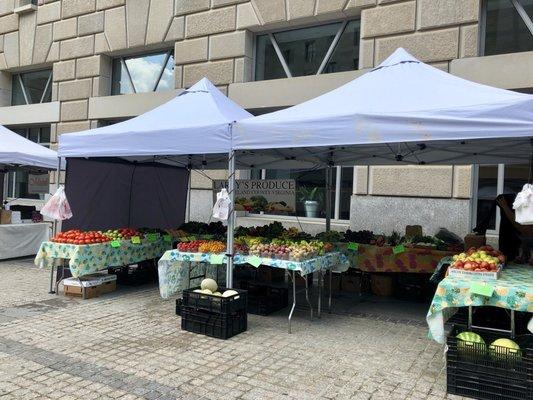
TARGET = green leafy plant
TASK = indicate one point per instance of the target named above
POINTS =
(311, 194)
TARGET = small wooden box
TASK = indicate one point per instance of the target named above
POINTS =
(5, 217)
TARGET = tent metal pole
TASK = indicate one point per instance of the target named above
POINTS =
(58, 173)
(231, 220)
(189, 185)
(329, 178)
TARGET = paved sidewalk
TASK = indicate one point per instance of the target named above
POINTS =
(128, 345)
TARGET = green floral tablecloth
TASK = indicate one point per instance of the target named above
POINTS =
(173, 274)
(514, 291)
(90, 258)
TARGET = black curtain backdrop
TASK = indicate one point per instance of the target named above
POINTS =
(110, 193)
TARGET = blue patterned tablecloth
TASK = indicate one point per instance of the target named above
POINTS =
(173, 275)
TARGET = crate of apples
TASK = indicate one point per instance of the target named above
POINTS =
(78, 237)
(484, 262)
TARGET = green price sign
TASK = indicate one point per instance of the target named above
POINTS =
(255, 261)
(217, 259)
(167, 238)
(136, 240)
(115, 244)
(353, 246)
(152, 237)
(398, 249)
(482, 289)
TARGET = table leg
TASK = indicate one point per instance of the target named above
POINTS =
(293, 299)
(469, 317)
(329, 300)
(513, 328)
(320, 283)
(307, 295)
(52, 280)
(83, 292)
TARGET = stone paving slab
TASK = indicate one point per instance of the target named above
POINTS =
(128, 345)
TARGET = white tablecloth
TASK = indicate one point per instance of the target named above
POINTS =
(19, 240)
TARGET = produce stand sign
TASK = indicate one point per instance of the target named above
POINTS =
(480, 275)
(482, 289)
(115, 243)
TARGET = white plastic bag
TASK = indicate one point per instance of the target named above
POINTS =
(57, 207)
(523, 205)
(221, 207)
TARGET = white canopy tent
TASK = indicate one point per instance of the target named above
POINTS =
(403, 111)
(18, 151)
(192, 129)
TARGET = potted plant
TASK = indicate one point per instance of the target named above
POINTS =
(311, 199)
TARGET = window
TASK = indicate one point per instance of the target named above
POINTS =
(309, 181)
(146, 73)
(308, 51)
(16, 182)
(32, 88)
(493, 180)
(508, 26)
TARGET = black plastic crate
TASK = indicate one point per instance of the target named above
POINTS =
(136, 275)
(265, 299)
(215, 325)
(216, 304)
(473, 371)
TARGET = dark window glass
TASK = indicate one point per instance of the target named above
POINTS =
(141, 74)
(304, 51)
(268, 65)
(346, 191)
(36, 85)
(505, 30)
(295, 42)
(486, 193)
(345, 57)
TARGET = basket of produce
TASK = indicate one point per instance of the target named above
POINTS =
(484, 364)
(209, 297)
(481, 263)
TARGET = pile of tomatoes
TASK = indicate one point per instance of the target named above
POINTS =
(190, 247)
(78, 237)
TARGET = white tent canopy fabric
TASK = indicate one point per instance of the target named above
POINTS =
(196, 122)
(18, 151)
(403, 111)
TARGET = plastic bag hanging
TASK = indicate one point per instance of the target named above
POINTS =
(523, 205)
(57, 207)
(221, 207)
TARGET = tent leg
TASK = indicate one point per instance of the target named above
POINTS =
(231, 220)
(58, 173)
(329, 192)
(189, 185)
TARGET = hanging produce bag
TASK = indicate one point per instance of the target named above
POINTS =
(221, 207)
(57, 207)
(523, 205)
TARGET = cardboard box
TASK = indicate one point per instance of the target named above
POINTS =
(5, 217)
(94, 285)
(351, 283)
(382, 285)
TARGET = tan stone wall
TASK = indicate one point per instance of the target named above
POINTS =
(214, 38)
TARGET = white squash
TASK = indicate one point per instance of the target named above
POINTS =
(229, 293)
(209, 284)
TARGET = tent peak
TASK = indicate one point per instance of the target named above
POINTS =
(399, 56)
(204, 85)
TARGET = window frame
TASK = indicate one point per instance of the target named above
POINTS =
(168, 53)
(327, 57)
(335, 205)
(528, 21)
(25, 94)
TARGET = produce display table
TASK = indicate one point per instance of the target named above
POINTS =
(370, 258)
(174, 269)
(513, 291)
(20, 240)
(90, 258)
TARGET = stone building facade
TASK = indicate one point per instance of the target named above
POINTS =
(80, 41)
